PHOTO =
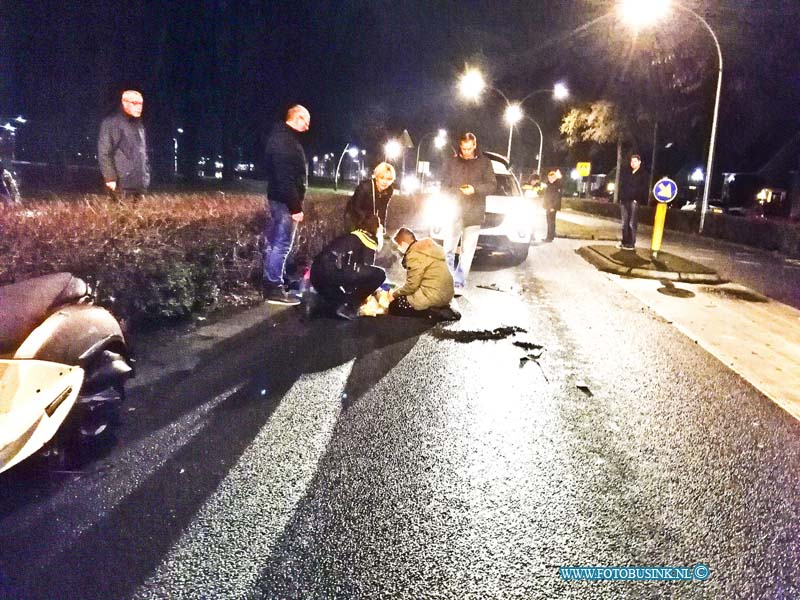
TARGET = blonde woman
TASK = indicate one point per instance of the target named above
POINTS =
(372, 195)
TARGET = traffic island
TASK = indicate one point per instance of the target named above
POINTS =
(639, 263)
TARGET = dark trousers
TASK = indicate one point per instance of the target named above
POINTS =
(551, 224)
(628, 211)
(346, 286)
(399, 307)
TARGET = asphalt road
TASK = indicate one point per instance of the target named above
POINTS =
(264, 457)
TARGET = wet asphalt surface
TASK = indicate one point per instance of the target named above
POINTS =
(390, 458)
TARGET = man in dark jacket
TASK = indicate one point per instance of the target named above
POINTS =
(552, 202)
(122, 148)
(470, 177)
(286, 187)
(343, 274)
(633, 190)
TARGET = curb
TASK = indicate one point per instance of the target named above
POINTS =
(602, 263)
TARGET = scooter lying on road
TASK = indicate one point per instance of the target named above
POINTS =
(63, 366)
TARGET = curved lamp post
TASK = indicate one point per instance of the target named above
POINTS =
(440, 140)
(353, 152)
(541, 144)
(641, 13)
(471, 85)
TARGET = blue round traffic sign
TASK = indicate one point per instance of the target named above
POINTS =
(665, 190)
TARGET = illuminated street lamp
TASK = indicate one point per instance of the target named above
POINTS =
(20, 119)
(392, 149)
(353, 152)
(641, 13)
(471, 85)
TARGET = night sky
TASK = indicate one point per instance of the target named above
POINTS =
(225, 70)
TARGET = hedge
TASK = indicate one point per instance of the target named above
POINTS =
(162, 258)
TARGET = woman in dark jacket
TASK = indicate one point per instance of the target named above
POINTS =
(372, 196)
(343, 273)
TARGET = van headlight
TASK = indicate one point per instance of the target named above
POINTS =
(440, 212)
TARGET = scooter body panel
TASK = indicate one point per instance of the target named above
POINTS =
(66, 335)
(35, 398)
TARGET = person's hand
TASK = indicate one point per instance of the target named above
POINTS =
(112, 185)
(390, 295)
(467, 190)
(297, 217)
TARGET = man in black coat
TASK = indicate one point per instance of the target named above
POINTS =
(552, 202)
(122, 148)
(343, 274)
(470, 177)
(634, 190)
(286, 171)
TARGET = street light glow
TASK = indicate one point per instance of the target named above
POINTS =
(697, 176)
(353, 152)
(21, 119)
(560, 91)
(471, 85)
(392, 149)
(640, 14)
(513, 114)
(439, 142)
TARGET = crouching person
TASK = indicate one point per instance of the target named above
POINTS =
(343, 274)
(428, 289)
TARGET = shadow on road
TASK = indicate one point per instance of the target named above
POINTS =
(165, 487)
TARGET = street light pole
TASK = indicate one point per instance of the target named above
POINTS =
(339, 164)
(712, 142)
(541, 144)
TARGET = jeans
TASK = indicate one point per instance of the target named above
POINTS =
(628, 210)
(278, 237)
(469, 242)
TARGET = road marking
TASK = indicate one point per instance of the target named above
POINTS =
(758, 340)
(222, 552)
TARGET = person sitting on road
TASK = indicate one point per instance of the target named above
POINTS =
(428, 289)
(372, 196)
(343, 274)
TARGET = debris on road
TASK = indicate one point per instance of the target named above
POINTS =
(465, 337)
(528, 345)
(492, 286)
(584, 387)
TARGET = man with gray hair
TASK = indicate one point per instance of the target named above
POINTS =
(122, 148)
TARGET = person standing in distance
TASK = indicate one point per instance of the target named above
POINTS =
(552, 202)
(286, 171)
(122, 148)
(634, 190)
(470, 177)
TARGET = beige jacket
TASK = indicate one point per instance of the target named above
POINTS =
(428, 280)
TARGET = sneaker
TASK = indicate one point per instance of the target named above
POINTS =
(620, 246)
(458, 291)
(277, 295)
(345, 311)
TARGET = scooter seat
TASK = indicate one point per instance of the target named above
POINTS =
(25, 305)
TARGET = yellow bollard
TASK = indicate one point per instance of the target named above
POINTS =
(658, 228)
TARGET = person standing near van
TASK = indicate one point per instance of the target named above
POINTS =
(470, 177)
